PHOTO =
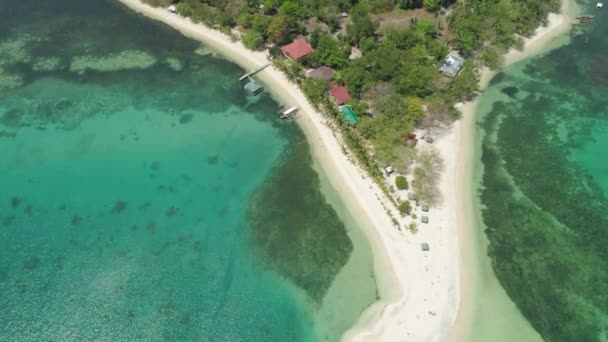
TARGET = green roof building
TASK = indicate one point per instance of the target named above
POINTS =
(350, 116)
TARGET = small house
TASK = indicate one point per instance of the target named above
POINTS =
(424, 208)
(425, 247)
(344, 15)
(297, 50)
(411, 196)
(349, 115)
(424, 219)
(323, 73)
(172, 9)
(389, 170)
(411, 139)
(451, 64)
(339, 94)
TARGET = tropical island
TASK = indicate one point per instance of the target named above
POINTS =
(382, 86)
(387, 56)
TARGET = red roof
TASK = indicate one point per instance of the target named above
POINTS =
(297, 49)
(340, 94)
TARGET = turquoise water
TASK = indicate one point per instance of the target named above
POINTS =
(545, 185)
(133, 174)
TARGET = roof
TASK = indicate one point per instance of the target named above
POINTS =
(340, 94)
(297, 49)
(323, 73)
(350, 116)
(452, 64)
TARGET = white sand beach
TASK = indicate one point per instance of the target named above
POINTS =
(420, 290)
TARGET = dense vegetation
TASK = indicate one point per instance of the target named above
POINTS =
(396, 79)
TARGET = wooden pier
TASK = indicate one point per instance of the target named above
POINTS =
(249, 74)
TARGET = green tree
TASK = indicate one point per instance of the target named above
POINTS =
(405, 208)
(401, 183)
(252, 40)
(278, 29)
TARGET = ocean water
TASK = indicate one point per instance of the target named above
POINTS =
(145, 196)
(544, 190)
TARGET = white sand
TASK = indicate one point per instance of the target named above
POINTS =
(420, 291)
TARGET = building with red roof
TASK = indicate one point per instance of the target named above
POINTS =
(297, 49)
(340, 94)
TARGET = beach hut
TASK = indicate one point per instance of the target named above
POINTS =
(424, 219)
(323, 73)
(425, 247)
(339, 94)
(349, 116)
(411, 196)
(172, 9)
(297, 49)
(451, 64)
(388, 170)
(599, 5)
(411, 139)
(424, 208)
(253, 87)
(428, 139)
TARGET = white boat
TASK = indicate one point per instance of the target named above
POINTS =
(289, 112)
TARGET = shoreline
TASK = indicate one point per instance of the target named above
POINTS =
(423, 295)
(542, 41)
(418, 290)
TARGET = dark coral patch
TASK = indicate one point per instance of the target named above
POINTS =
(155, 166)
(119, 207)
(510, 91)
(212, 160)
(186, 118)
(8, 220)
(172, 211)
(76, 220)
(58, 262)
(15, 202)
(31, 263)
(144, 206)
(151, 227)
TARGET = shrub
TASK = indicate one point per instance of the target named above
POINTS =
(401, 183)
(404, 208)
(252, 40)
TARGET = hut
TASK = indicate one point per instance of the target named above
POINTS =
(425, 247)
(411, 139)
(323, 73)
(424, 219)
(424, 208)
(411, 196)
(599, 5)
(339, 94)
(253, 87)
(349, 116)
(428, 139)
(388, 170)
(297, 50)
(452, 64)
(172, 9)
